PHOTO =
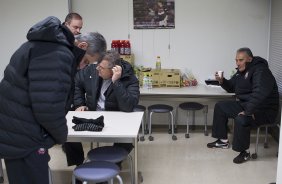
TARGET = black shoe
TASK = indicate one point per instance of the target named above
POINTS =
(218, 144)
(242, 157)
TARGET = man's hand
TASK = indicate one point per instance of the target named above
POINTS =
(117, 70)
(82, 108)
(218, 78)
(243, 113)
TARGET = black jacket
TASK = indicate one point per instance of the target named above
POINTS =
(123, 95)
(34, 91)
(255, 88)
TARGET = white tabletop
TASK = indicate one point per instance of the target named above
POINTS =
(200, 90)
(119, 126)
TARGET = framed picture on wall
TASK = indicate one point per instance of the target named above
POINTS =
(154, 14)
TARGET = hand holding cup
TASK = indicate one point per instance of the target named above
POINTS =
(219, 76)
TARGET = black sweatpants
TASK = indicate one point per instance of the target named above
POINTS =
(32, 169)
(242, 124)
(75, 154)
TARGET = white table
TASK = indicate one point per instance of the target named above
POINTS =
(199, 91)
(119, 127)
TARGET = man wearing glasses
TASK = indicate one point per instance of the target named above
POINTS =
(257, 102)
(112, 86)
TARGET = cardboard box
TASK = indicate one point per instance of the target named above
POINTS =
(170, 78)
(162, 78)
(128, 58)
(155, 75)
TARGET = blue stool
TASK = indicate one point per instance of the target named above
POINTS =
(193, 106)
(161, 108)
(141, 108)
(1, 172)
(96, 171)
(111, 154)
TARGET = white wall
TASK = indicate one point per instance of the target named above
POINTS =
(17, 17)
(205, 39)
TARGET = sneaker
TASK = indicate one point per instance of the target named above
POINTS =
(242, 157)
(218, 144)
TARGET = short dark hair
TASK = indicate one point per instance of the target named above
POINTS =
(71, 16)
(246, 50)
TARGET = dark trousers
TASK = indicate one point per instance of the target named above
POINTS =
(32, 169)
(75, 154)
(242, 124)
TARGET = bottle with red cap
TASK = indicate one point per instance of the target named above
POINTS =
(122, 47)
(127, 48)
(115, 46)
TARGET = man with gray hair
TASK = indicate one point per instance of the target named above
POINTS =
(94, 45)
(257, 102)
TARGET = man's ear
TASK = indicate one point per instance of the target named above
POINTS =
(83, 45)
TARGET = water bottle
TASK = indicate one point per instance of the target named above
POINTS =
(150, 82)
(145, 82)
(158, 63)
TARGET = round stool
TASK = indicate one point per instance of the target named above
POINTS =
(141, 108)
(113, 154)
(161, 108)
(193, 106)
(96, 171)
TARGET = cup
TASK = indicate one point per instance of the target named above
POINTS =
(220, 74)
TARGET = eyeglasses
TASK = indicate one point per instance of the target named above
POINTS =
(102, 68)
(239, 60)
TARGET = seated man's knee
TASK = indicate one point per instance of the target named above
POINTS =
(243, 120)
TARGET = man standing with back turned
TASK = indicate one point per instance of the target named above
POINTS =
(257, 102)
(34, 96)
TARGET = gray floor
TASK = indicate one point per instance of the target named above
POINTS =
(184, 161)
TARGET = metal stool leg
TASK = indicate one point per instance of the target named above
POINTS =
(187, 125)
(193, 120)
(265, 138)
(176, 120)
(206, 120)
(119, 179)
(50, 176)
(151, 138)
(255, 155)
(172, 125)
(1, 172)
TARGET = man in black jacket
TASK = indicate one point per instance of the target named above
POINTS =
(33, 96)
(110, 85)
(94, 45)
(257, 102)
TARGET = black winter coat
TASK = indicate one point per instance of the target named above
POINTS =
(34, 91)
(256, 89)
(123, 95)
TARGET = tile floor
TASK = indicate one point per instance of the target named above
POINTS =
(187, 161)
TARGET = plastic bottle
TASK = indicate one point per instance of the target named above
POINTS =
(127, 48)
(114, 46)
(158, 63)
(150, 82)
(145, 82)
(122, 47)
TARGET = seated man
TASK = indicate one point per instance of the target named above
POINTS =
(108, 86)
(257, 102)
